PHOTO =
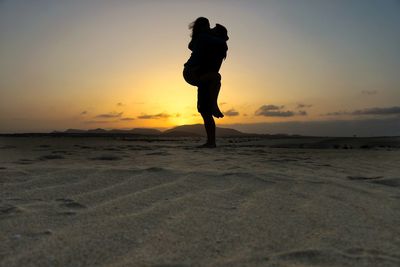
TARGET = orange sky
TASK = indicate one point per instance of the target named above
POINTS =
(89, 64)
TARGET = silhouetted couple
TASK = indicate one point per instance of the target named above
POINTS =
(209, 49)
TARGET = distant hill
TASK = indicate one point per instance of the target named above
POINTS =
(72, 131)
(97, 131)
(141, 131)
(138, 131)
(194, 130)
(198, 130)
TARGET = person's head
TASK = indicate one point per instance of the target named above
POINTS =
(198, 26)
(221, 32)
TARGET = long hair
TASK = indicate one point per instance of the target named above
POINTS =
(201, 24)
(221, 32)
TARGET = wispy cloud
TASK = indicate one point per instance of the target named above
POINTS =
(270, 107)
(302, 106)
(120, 104)
(110, 115)
(378, 111)
(277, 111)
(127, 119)
(99, 121)
(154, 116)
(231, 113)
(369, 111)
(83, 112)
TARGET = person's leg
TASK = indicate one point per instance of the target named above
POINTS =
(209, 125)
(212, 80)
(205, 108)
(216, 88)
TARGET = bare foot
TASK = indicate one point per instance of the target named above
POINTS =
(207, 145)
(217, 113)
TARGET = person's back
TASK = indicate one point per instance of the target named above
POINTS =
(214, 53)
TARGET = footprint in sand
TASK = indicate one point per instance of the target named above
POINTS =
(8, 210)
(24, 161)
(393, 182)
(360, 178)
(34, 235)
(71, 204)
(106, 157)
(51, 156)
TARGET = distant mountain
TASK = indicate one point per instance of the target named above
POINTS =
(148, 131)
(198, 130)
(194, 130)
(139, 131)
(97, 131)
(72, 131)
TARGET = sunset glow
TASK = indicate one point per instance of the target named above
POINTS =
(118, 64)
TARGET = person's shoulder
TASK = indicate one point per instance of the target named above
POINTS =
(219, 40)
(203, 36)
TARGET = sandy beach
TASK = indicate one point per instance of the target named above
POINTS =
(163, 202)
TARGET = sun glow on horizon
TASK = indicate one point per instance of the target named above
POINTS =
(96, 64)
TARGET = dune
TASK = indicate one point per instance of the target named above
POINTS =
(108, 202)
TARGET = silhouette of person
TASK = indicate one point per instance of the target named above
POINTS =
(209, 49)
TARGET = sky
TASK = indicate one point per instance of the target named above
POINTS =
(295, 66)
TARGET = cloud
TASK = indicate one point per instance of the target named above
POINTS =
(287, 113)
(95, 122)
(378, 111)
(270, 107)
(299, 106)
(369, 111)
(154, 116)
(83, 112)
(222, 103)
(231, 113)
(110, 115)
(277, 111)
(369, 92)
(127, 119)
(337, 113)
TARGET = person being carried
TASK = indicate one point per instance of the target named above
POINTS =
(209, 49)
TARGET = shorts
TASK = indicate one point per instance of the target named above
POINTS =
(191, 75)
(207, 92)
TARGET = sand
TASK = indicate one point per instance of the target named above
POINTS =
(106, 202)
